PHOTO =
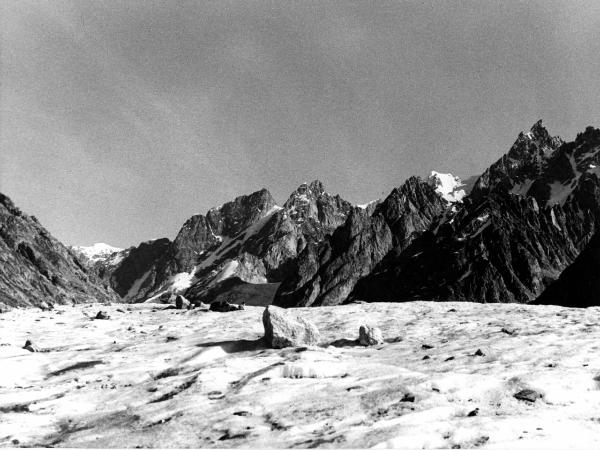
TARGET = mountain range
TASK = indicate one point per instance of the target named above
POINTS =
(520, 231)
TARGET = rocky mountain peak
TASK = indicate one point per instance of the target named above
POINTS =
(306, 192)
(538, 131)
(311, 203)
(522, 165)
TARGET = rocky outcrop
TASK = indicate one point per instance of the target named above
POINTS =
(286, 329)
(326, 274)
(579, 284)
(36, 269)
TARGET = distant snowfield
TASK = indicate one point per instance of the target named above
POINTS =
(98, 251)
(166, 378)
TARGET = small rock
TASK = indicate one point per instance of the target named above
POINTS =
(425, 357)
(46, 306)
(479, 353)
(223, 306)
(408, 397)
(369, 336)
(102, 315)
(216, 395)
(31, 346)
(450, 358)
(528, 395)
(473, 413)
(509, 331)
(426, 347)
(285, 329)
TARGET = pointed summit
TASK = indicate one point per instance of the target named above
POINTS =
(311, 203)
(522, 165)
(538, 130)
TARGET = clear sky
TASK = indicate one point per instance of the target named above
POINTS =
(119, 120)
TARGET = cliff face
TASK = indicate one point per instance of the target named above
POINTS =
(579, 284)
(36, 269)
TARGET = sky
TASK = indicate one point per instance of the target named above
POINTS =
(120, 120)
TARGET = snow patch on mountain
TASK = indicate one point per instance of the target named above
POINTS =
(97, 251)
(366, 205)
(451, 188)
(228, 271)
(181, 281)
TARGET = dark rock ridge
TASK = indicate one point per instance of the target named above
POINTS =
(579, 284)
(524, 162)
(36, 269)
(504, 249)
(326, 273)
(498, 246)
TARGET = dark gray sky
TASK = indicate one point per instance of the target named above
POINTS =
(119, 120)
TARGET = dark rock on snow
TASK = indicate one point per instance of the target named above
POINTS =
(102, 315)
(224, 306)
(528, 395)
(31, 346)
(369, 335)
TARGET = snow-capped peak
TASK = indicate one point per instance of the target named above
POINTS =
(97, 251)
(448, 186)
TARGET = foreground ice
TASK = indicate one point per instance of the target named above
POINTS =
(150, 377)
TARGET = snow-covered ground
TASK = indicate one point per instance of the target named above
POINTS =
(150, 377)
